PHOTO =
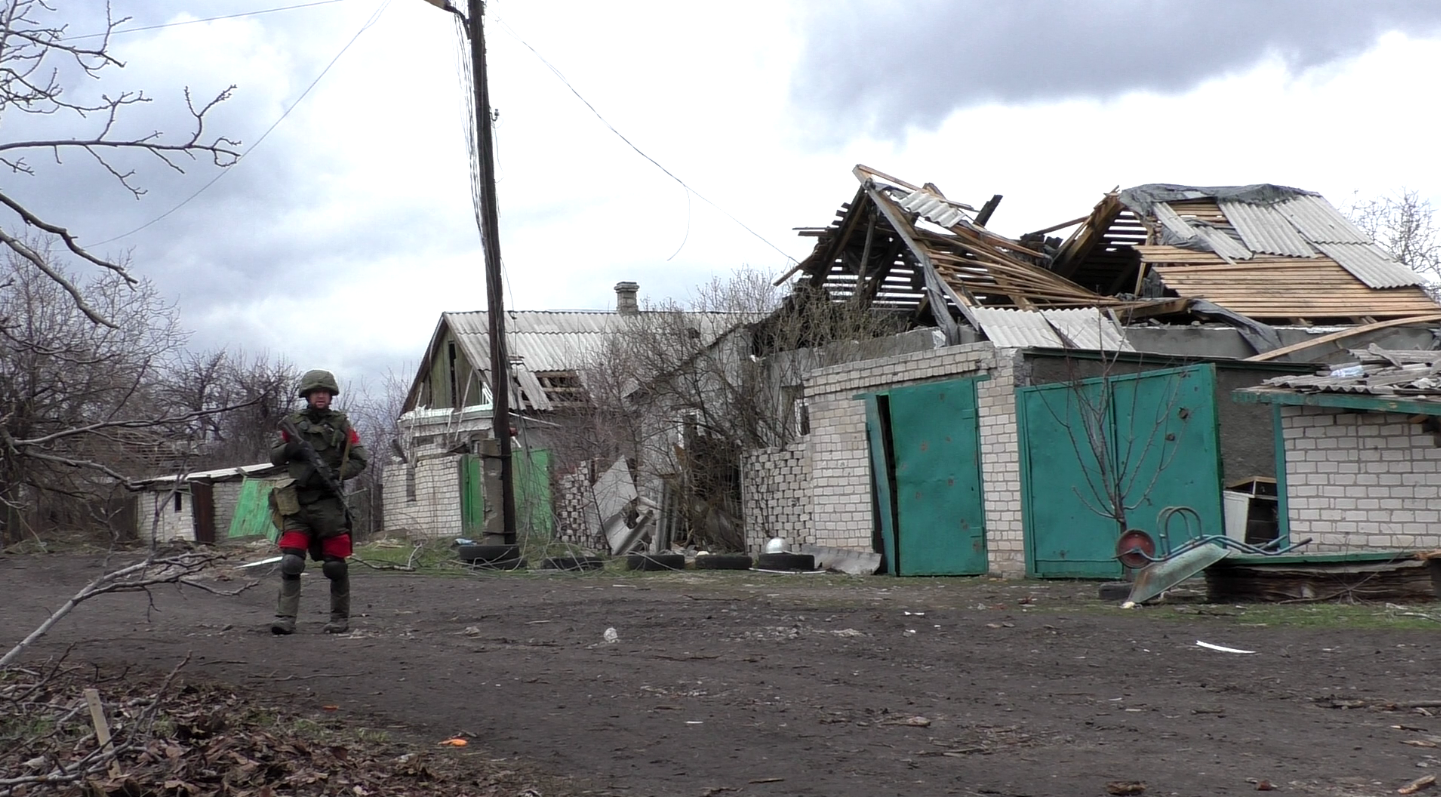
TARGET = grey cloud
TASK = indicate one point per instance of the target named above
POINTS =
(868, 67)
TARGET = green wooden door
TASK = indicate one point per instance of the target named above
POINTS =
(530, 476)
(940, 514)
(1062, 484)
(472, 497)
(1145, 441)
(1168, 440)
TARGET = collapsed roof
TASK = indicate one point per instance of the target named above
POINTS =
(1268, 252)
(1243, 254)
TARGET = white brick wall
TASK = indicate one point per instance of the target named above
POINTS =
(1361, 480)
(435, 512)
(170, 524)
(775, 496)
(838, 458)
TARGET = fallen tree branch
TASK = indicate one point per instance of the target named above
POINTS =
(140, 576)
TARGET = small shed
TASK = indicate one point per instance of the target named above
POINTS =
(1362, 441)
(204, 506)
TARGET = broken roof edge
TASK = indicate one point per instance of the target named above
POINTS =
(1416, 405)
(1141, 199)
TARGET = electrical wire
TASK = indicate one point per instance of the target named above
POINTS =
(196, 21)
(638, 150)
(375, 17)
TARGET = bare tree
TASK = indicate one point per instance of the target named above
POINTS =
(77, 399)
(375, 412)
(685, 389)
(260, 386)
(43, 74)
(1404, 225)
(1124, 445)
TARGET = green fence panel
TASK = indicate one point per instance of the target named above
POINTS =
(252, 512)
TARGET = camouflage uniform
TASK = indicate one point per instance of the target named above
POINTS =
(311, 518)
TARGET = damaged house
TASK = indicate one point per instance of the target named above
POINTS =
(1073, 387)
(573, 468)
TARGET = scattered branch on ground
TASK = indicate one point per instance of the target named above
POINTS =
(152, 571)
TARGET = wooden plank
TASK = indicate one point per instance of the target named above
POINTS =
(1342, 335)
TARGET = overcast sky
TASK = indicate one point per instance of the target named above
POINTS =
(342, 236)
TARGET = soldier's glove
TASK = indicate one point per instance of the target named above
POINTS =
(292, 449)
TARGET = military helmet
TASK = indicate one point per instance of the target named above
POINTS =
(318, 380)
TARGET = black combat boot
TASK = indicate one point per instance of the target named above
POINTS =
(287, 607)
(339, 606)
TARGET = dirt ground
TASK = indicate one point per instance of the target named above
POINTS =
(755, 684)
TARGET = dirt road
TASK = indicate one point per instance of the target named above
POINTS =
(754, 684)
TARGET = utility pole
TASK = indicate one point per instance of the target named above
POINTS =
(490, 237)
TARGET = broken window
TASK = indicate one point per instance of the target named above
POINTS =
(563, 388)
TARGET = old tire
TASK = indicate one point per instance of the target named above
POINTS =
(655, 561)
(723, 561)
(487, 553)
(504, 564)
(786, 561)
(1115, 591)
(572, 564)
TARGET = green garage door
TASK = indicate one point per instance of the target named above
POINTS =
(1142, 442)
(925, 450)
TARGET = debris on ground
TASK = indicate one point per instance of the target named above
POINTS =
(151, 736)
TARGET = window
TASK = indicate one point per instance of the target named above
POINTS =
(177, 501)
(410, 484)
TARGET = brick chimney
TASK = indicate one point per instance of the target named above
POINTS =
(625, 303)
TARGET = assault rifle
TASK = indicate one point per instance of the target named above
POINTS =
(312, 457)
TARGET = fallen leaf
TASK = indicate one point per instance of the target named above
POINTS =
(918, 722)
(454, 743)
(1123, 787)
(1419, 743)
(1417, 785)
(767, 780)
(330, 708)
(1265, 785)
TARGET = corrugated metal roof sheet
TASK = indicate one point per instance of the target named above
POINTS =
(1088, 329)
(564, 341)
(1216, 240)
(1264, 229)
(1319, 221)
(1370, 264)
(1017, 329)
(1172, 221)
(932, 207)
(540, 341)
(1415, 375)
(1223, 244)
(1084, 327)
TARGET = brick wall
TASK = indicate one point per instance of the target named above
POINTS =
(170, 524)
(775, 496)
(840, 488)
(576, 520)
(434, 511)
(1359, 480)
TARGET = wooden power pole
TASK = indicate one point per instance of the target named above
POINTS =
(495, 299)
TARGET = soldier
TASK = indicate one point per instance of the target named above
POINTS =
(312, 518)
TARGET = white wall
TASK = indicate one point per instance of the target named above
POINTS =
(1361, 480)
(172, 525)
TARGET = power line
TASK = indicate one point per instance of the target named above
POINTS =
(197, 21)
(638, 150)
(363, 28)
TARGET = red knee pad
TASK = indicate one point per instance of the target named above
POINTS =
(294, 539)
(338, 546)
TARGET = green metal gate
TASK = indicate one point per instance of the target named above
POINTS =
(925, 451)
(531, 477)
(1139, 442)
